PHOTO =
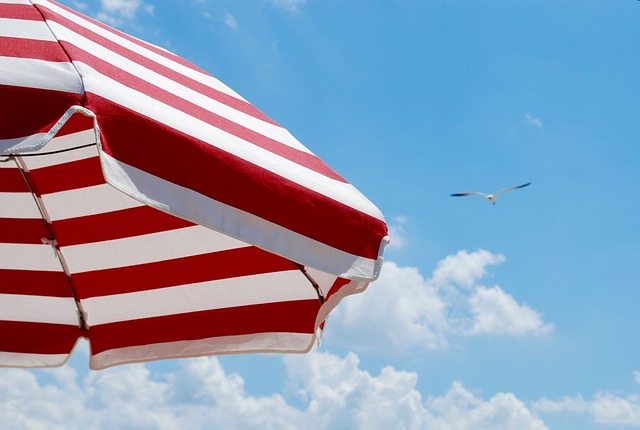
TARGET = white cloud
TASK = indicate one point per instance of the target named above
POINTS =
(334, 393)
(117, 12)
(289, 5)
(496, 312)
(604, 408)
(341, 395)
(465, 268)
(402, 311)
(125, 8)
(396, 232)
(230, 21)
(460, 409)
(531, 120)
(399, 311)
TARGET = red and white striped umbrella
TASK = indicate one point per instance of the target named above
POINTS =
(149, 208)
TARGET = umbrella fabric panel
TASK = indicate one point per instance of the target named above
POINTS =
(38, 316)
(151, 285)
(143, 93)
(154, 211)
(35, 91)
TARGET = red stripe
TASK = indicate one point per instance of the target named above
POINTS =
(287, 317)
(336, 286)
(238, 104)
(223, 177)
(20, 11)
(68, 176)
(300, 157)
(26, 111)
(231, 263)
(77, 122)
(34, 283)
(37, 338)
(49, 14)
(34, 49)
(11, 181)
(19, 230)
(115, 225)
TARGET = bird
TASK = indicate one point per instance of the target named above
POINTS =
(491, 197)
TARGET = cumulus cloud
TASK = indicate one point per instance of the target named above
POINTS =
(404, 311)
(464, 268)
(332, 392)
(339, 394)
(200, 394)
(496, 312)
(604, 408)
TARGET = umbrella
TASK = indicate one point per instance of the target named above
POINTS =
(148, 208)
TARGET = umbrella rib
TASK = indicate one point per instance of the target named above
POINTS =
(312, 281)
(51, 240)
(11, 156)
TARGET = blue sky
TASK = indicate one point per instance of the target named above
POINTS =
(521, 315)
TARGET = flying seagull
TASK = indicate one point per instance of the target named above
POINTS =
(491, 197)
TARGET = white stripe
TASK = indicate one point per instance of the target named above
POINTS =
(148, 248)
(20, 256)
(114, 37)
(260, 342)
(17, 359)
(203, 296)
(86, 201)
(27, 2)
(45, 75)
(18, 205)
(62, 143)
(34, 163)
(36, 140)
(272, 131)
(38, 309)
(245, 226)
(118, 93)
(26, 29)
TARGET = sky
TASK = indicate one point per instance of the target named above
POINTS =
(523, 315)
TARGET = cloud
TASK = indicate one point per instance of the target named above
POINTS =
(399, 311)
(339, 394)
(604, 408)
(496, 312)
(332, 392)
(531, 120)
(405, 312)
(464, 268)
(117, 12)
(230, 21)
(396, 232)
(289, 5)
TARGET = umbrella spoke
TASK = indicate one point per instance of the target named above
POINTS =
(312, 281)
(51, 240)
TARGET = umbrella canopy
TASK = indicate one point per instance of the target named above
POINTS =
(149, 208)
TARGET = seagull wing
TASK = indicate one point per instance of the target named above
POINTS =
(512, 188)
(472, 193)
